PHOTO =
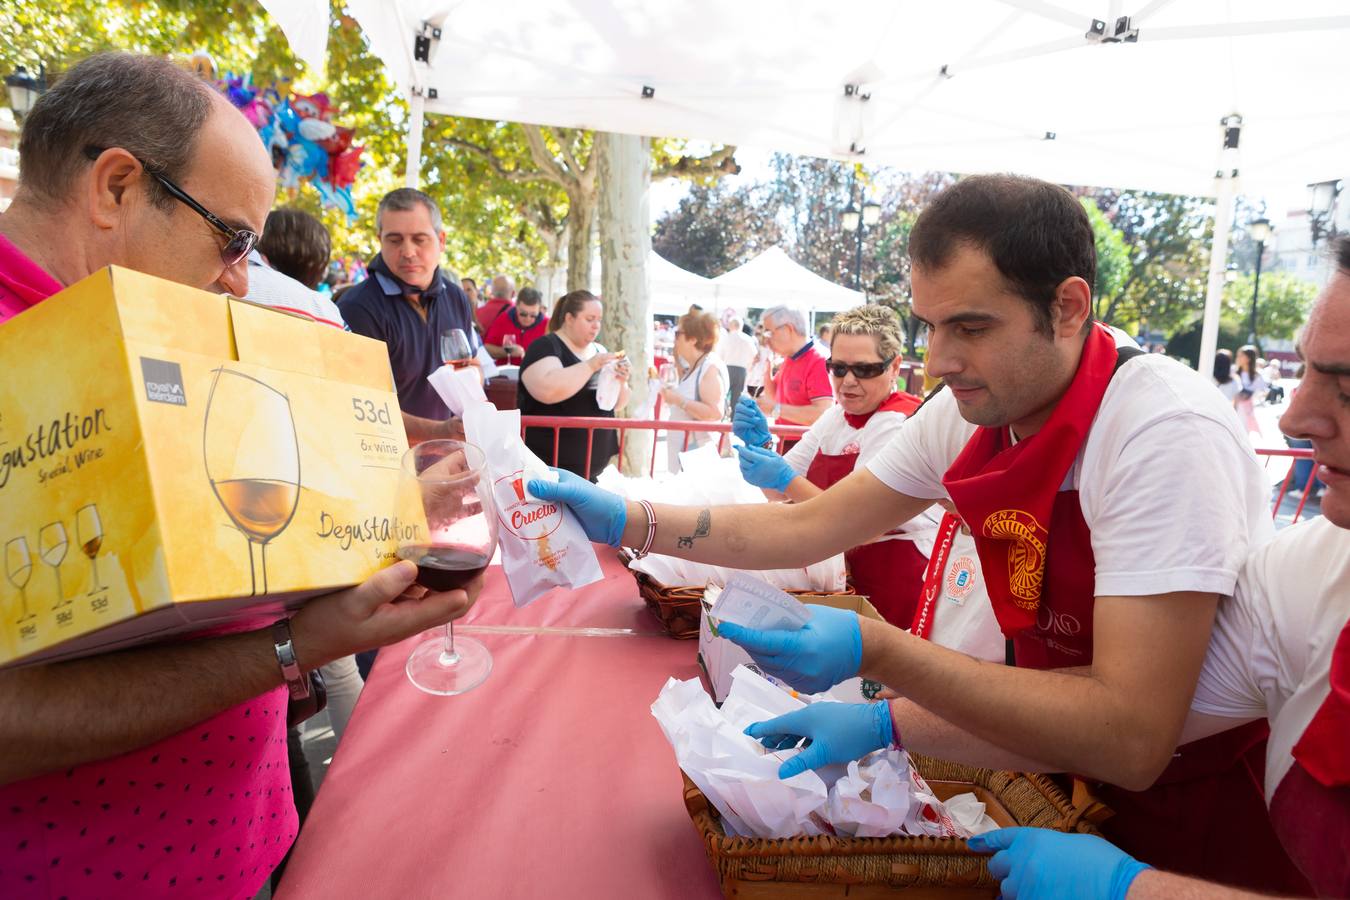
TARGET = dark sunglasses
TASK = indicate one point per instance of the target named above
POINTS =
(861, 371)
(240, 243)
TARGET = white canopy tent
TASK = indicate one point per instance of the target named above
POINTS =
(1093, 92)
(674, 290)
(773, 279)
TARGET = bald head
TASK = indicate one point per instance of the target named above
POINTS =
(503, 288)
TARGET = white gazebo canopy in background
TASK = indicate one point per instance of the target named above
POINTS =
(674, 290)
(1120, 93)
(773, 279)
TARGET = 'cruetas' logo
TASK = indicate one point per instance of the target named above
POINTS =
(527, 519)
(163, 381)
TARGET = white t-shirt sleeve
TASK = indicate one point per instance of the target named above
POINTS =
(801, 454)
(1170, 511)
(915, 459)
(880, 430)
(1229, 686)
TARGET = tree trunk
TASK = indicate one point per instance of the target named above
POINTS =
(625, 242)
(581, 206)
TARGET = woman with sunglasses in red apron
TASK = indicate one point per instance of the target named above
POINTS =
(863, 365)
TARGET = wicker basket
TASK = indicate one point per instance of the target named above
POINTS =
(860, 868)
(679, 609)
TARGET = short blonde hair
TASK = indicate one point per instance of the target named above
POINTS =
(879, 322)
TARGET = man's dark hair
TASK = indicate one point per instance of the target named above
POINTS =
(296, 244)
(144, 104)
(405, 200)
(1035, 232)
(1342, 250)
(529, 297)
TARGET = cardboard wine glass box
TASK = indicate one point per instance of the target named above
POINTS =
(176, 461)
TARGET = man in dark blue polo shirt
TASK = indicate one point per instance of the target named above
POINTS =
(408, 303)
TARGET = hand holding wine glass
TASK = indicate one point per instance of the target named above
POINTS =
(455, 349)
(448, 479)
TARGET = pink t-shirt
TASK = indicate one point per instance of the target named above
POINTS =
(206, 812)
(23, 283)
(801, 379)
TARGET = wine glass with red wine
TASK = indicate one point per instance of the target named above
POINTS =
(448, 477)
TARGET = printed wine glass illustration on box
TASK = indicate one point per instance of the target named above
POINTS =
(52, 546)
(89, 532)
(18, 569)
(253, 461)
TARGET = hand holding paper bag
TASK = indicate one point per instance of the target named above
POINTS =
(838, 733)
(814, 658)
(603, 515)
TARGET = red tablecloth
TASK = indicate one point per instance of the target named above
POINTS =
(551, 779)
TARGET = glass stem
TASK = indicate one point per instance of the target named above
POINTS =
(449, 657)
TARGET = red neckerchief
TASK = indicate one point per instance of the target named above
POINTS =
(1324, 748)
(898, 401)
(1006, 492)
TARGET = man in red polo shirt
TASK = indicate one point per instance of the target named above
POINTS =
(516, 328)
(501, 293)
(158, 769)
(801, 391)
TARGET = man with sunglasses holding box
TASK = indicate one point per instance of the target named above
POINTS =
(161, 769)
(1112, 497)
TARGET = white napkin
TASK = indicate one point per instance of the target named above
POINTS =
(878, 795)
(607, 386)
(458, 388)
(968, 812)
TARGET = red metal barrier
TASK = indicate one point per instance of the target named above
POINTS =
(591, 424)
(1296, 454)
(791, 432)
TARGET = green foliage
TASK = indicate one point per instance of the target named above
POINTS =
(493, 224)
(1167, 238)
(1282, 306)
(713, 230)
(1113, 258)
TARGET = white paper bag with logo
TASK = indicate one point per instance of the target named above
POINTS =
(543, 545)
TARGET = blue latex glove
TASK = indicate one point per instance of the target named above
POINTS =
(603, 515)
(838, 733)
(748, 423)
(764, 468)
(814, 658)
(1033, 863)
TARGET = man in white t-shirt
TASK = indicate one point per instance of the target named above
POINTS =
(1280, 651)
(738, 351)
(1113, 499)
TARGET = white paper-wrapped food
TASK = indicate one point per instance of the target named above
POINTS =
(876, 796)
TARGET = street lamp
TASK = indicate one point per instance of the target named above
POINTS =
(856, 221)
(1259, 229)
(1322, 211)
(24, 89)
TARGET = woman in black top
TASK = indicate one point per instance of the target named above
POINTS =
(558, 377)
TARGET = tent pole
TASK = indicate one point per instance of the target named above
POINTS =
(1225, 176)
(1218, 267)
(415, 115)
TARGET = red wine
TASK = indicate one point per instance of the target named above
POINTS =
(445, 567)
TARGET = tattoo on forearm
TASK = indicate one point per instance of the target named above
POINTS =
(701, 529)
